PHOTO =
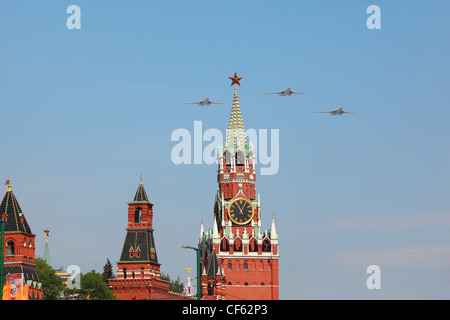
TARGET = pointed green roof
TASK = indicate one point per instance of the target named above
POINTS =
(47, 254)
(143, 240)
(236, 134)
(213, 265)
(15, 219)
(141, 195)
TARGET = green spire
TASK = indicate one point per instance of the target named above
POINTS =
(46, 249)
(47, 254)
(236, 134)
(141, 195)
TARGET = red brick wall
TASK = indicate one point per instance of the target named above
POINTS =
(258, 271)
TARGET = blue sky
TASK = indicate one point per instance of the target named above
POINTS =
(84, 112)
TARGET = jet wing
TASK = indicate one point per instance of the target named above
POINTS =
(217, 102)
(194, 102)
(323, 111)
(298, 92)
(273, 92)
(349, 112)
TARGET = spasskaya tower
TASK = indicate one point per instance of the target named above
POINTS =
(239, 260)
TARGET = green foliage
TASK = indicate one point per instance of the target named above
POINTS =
(92, 285)
(93, 288)
(174, 286)
(107, 271)
(52, 286)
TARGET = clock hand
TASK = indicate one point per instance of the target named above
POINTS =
(239, 209)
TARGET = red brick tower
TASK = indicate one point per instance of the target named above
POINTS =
(247, 256)
(138, 271)
(19, 247)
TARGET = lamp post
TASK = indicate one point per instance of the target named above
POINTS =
(2, 257)
(198, 250)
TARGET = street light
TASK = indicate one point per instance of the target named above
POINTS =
(199, 294)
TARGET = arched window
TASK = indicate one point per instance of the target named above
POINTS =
(238, 245)
(229, 266)
(124, 273)
(225, 246)
(266, 246)
(132, 274)
(229, 283)
(228, 158)
(210, 288)
(245, 266)
(253, 247)
(262, 283)
(240, 159)
(245, 283)
(138, 215)
(10, 251)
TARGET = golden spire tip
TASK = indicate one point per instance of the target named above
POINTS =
(8, 183)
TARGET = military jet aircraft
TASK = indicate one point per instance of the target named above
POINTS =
(334, 112)
(286, 92)
(205, 102)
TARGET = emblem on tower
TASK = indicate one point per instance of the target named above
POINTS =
(46, 232)
(235, 79)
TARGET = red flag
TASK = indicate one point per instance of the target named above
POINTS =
(7, 291)
(25, 291)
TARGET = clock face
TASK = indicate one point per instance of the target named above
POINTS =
(240, 211)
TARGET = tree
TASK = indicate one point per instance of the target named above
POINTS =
(174, 286)
(52, 286)
(107, 271)
(93, 288)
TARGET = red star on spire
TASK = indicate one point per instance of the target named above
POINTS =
(235, 79)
